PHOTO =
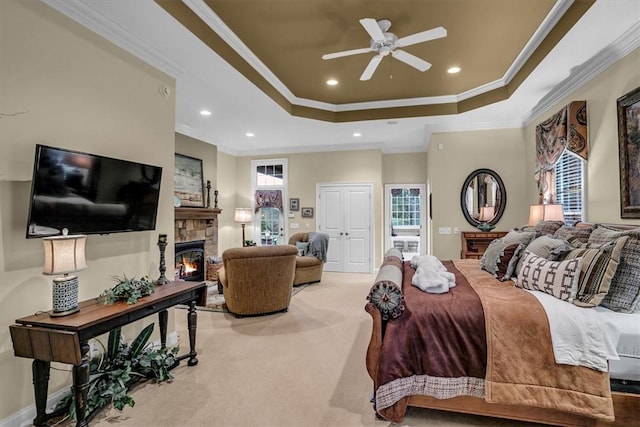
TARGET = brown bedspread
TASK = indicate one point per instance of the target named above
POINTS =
(439, 347)
(521, 368)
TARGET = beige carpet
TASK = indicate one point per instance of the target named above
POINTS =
(300, 368)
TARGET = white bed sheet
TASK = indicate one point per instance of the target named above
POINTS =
(628, 347)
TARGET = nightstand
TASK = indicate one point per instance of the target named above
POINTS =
(474, 243)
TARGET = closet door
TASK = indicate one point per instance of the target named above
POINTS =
(344, 213)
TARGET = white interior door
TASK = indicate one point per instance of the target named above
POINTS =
(345, 214)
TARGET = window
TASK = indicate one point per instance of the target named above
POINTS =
(269, 221)
(570, 186)
(405, 207)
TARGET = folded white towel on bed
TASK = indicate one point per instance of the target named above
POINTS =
(579, 336)
(431, 275)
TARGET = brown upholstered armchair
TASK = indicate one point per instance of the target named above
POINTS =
(258, 280)
(308, 268)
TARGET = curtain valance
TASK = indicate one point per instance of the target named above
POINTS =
(268, 199)
(567, 129)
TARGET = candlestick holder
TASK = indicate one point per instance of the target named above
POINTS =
(162, 244)
(215, 193)
(208, 194)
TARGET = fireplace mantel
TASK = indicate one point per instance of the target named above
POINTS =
(196, 213)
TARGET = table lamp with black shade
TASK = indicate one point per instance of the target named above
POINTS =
(64, 255)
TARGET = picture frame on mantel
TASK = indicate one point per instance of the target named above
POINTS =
(629, 153)
(188, 182)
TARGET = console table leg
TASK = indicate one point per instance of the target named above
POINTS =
(40, 370)
(192, 323)
(81, 386)
(163, 318)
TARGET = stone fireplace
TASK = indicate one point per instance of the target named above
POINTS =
(198, 224)
(189, 261)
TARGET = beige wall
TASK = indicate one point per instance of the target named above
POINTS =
(72, 90)
(404, 168)
(308, 169)
(603, 171)
(208, 153)
(462, 153)
(229, 233)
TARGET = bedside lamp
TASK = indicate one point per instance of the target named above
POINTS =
(486, 214)
(550, 212)
(63, 255)
(242, 216)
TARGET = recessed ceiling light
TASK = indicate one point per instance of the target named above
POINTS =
(205, 112)
(250, 134)
(357, 134)
(453, 70)
(332, 82)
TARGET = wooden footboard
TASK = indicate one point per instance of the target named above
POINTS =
(626, 405)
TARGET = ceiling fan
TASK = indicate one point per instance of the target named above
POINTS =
(385, 43)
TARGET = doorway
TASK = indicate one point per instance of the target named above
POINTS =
(405, 218)
(345, 213)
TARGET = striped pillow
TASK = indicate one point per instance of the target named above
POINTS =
(599, 265)
(556, 278)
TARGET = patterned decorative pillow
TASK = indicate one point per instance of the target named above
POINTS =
(556, 278)
(506, 261)
(546, 247)
(518, 236)
(570, 234)
(624, 293)
(543, 228)
(599, 266)
(488, 260)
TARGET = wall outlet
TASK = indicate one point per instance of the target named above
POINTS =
(456, 230)
(294, 225)
(444, 230)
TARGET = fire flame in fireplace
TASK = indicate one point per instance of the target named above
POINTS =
(188, 267)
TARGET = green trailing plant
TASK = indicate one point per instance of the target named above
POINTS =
(249, 243)
(118, 367)
(129, 290)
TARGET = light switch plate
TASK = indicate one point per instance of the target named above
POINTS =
(444, 230)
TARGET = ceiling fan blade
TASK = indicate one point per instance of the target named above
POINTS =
(424, 36)
(371, 26)
(412, 60)
(346, 53)
(371, 68)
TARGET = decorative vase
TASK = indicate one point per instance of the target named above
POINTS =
(485, 226)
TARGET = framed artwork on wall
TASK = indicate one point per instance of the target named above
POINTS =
(307, 212)
(294, 204)
(188, 182)
(629, 153)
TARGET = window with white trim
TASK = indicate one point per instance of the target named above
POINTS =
(570, 187)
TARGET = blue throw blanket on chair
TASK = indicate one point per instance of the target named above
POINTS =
(318, 244)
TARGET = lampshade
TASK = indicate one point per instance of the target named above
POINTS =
(63, 255)
(242, 215)
(550, 212)
(486, 213)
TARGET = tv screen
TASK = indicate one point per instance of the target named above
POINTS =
(90, 194)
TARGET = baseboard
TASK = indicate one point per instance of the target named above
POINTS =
(25, 416)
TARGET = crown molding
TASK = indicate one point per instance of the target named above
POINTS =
(622, 46)
(86, 14)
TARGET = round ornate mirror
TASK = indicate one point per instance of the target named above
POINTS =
(483, 198)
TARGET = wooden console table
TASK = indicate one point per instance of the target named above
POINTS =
(475, 243)
(49, 339)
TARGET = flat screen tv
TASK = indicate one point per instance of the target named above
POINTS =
(90, 194)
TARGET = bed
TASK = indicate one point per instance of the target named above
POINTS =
(484, 347)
